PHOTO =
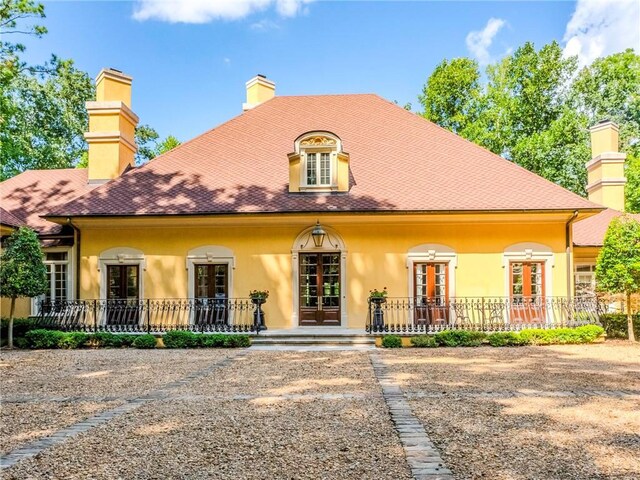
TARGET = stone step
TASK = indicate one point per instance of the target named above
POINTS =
(312, 340)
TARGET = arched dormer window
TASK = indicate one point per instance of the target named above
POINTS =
(318, 164)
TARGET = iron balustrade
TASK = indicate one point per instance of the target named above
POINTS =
(231, 315)
(487, 314)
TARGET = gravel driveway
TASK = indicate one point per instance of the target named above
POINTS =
(515, 413)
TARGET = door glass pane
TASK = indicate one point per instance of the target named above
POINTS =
(202, 281)
(220, 280)
(331, 280)
(517, 282)
(113, 280)
(309, 280)
(132, 282)
(440, 278)
(536, 280)
(421, 280)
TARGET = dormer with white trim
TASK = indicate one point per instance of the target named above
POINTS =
(318, 164)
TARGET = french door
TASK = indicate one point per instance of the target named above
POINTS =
(431, 292)
(211, 293)
(319, 289)
(527, 292)
(123, 294)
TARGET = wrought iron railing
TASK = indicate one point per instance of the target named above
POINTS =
(488, 314)
(234, 315)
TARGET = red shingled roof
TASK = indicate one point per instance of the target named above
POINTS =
(398, 161)
(590, 231)
(33, 193)
(7, 218)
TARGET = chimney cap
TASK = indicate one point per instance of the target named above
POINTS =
(114, 74)
(604, 123)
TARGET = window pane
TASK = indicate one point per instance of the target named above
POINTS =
(311, 169)
(132, 282)
(325, 169)
(56, 256)
(49, 294)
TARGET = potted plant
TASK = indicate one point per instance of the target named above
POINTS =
(378, 296)
(259, 296)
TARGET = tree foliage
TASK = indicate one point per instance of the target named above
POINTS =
(45, 118)
(22, 271)
(42, 108)
(535, 109)
(150, 145)
(618, 264)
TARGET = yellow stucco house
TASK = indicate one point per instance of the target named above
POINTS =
(317, 199)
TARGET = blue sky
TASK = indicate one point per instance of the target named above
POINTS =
(190, 60)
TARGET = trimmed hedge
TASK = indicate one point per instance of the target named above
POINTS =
(615, 324)
(391, 341)
(460, 338)
(505, 339)
(183, 339)
(423, 341)
(41, 338)
(531, 336)
(180, 339)
(145, 341)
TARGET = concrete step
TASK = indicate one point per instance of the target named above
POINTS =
(315, 339)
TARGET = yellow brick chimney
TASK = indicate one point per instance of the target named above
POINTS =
(112, 124)
(259, 90)
(606, 180)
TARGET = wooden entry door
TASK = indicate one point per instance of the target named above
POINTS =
(212, 292)
(319, 289)
(527, 292)
(431, 283)
(123, 294)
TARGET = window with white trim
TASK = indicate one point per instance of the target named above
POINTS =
(585, 279)
(57, 264)
(318, 169)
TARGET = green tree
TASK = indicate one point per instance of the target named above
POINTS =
(15, 20)
(450, 96)
(618, 264)
(22, 271)
(632, 188)
(150, 145)
(535, 109)
(167, 144)
(45, 118)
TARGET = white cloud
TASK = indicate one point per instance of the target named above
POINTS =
(478, 42)
(204, 11)
(226, 60)
(264, 25)
(601, 27)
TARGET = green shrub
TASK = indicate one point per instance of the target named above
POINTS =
(584, 334)
(41, 338)
(126, 339)
(505, 339)
(237, 341)
(391, 341)
(20, 327)
(615, 325)
(215, 340)
(73, 340)
(103, 339)
(181, 339)
(460, 338)
(145, 341)
(589, 333)
(20, 342)
(423, 341)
